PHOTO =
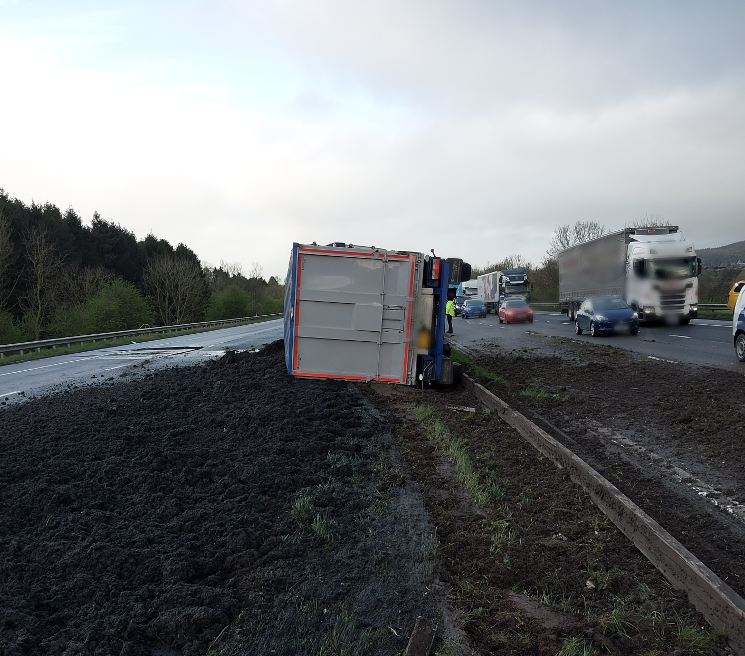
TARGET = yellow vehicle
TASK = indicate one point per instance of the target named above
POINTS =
(733, 294)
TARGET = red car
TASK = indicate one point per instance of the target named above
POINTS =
(514, 309)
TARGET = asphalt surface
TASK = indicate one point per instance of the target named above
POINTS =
(702, 342)
(23, 380)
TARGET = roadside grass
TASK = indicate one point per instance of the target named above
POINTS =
(619, 617)
(289, 624)
(477, 369)
(81, 347)
(725, 315)
(454, 449)
(535, 392)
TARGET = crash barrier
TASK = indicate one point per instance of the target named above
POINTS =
(701, 306)
(23, 347)
(722, 607)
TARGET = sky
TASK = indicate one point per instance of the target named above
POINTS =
(471, 127)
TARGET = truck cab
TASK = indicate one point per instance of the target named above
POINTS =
(662, 280)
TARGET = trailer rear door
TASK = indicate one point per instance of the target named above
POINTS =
(351, 313)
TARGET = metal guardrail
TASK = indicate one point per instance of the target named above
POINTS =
(701, 306)
(22, 347)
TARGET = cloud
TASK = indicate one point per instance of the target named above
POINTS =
(475, 129)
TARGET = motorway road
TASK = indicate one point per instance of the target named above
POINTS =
(23, 380)
(702, 342)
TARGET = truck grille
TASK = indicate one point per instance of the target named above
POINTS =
(672, 302)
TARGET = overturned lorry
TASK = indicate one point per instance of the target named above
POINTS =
(365, 313)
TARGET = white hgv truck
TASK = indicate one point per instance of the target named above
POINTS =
(655, 270)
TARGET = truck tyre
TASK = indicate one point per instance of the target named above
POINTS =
(684, 321)
(577, 329)
(593, 332)
(457, 373)
(740, 347)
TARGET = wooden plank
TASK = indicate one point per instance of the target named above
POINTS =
(421, 639)
(722, 607)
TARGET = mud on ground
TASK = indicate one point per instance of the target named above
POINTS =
(231, 509)
(669, 436)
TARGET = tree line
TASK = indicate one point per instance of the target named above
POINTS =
(714, 285)
(60, 277)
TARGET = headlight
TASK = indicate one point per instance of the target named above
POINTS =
(600, 317)
(635, 316)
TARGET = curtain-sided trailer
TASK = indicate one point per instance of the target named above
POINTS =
(365, 313)
(654, 269)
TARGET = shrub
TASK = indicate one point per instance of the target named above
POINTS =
(230, 303)
(10, 331)
(117, 306)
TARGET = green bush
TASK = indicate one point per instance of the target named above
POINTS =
(10, 331)
(230, 303)
(118, 306)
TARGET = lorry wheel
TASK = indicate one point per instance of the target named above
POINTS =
(593, 332)
(457, 373)
(577, 329)
(684, 322)
(740, 347)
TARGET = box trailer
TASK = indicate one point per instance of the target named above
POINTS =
(496, 286)
(365, 313)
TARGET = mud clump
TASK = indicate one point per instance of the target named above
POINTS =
(169, 514)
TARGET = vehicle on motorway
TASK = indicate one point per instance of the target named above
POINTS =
(606, 314)
(498, 286)
(473, 307)
(654, 269)
(515, 309)
(738, 326)
(365, 313)
(734, 293)
(458, 303)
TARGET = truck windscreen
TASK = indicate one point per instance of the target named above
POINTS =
(672, 268)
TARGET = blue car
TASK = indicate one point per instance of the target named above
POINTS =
(738, 326)
(473, 308)
(606, 314)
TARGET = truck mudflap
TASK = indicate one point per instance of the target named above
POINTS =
(349, 313)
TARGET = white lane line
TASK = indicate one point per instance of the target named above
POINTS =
(681, 336)
(11, 393)
(46, 366)
(119, 367)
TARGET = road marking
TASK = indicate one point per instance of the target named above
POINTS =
(681, 336)
(46, 366)
(651, 357)
(11, 393)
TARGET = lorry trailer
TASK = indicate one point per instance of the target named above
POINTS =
(497, 286)
(369, 314)
(654, 269)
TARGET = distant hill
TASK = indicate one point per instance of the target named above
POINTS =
(732, 255)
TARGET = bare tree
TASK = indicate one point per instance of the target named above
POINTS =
(233, 269)
(176, 288)
(6, 257)
(77, 285)
(42, 263)
(256, 272)
(566, 236)
(654, 221)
